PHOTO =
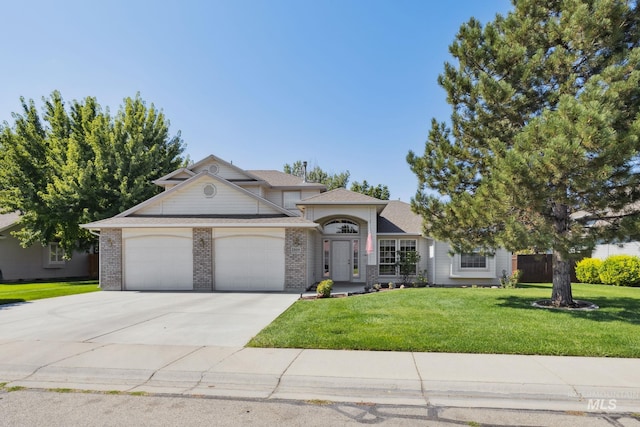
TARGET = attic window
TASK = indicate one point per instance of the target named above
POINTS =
(209, 190)
(213, 169)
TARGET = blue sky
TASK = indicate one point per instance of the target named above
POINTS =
(344, 84)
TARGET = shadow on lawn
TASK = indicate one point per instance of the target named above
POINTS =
(611, 309)
(534, 286)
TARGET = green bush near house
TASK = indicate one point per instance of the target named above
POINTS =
(620, 270)
(324, 288)
(588, 270)
(510, 282)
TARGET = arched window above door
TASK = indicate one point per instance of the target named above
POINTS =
(341, 226)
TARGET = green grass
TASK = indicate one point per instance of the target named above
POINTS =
(21, 292)
(465, 320)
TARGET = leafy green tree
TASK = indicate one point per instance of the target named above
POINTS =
(542, 147)
(338, 180)
(331, 181)
(379, 191)
(76, 164)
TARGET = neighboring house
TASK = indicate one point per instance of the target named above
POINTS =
(36, 262)
(603, 251)
(217, 227)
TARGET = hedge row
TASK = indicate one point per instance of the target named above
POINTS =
(617, 270)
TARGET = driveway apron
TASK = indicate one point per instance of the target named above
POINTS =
(154, 318)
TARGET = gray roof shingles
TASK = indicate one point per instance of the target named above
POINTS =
(280, 179)
(8, 220)
(343, 196)
(398, 217)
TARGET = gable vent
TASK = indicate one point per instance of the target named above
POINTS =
(213, 169)
(209, 190)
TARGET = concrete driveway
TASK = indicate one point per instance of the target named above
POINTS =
(194, 319)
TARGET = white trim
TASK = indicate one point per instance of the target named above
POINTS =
(194, 179)
(59, 252)
(167, 179)
(230, 165)
(457, 272)
(204, 225)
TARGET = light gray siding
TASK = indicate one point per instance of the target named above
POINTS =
(604, 251)
(224, 171)
(193, 201)
(18, 263)
(445, 272)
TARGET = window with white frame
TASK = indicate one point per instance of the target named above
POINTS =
(391, 251)
(355, 257)
(473, 264)
(326, 254)
(387, 257)
(407, 246)
(473, 260)
(341, 226)
(290, 198)
(56, 254)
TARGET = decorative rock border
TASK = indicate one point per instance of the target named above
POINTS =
(578, 305)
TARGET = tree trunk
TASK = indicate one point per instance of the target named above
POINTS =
(561, 294)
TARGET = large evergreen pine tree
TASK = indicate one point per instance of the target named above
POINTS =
(543, 145)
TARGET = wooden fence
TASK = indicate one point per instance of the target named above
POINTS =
(537, 268)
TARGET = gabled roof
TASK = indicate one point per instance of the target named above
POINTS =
(231, 221)
(214, 159)
(8, 220)
(190, 181)
(177, 175)
(280, 179)
(397, 217)
(341, 196)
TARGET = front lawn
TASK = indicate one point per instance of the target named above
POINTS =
(464, 320)
(21, 292)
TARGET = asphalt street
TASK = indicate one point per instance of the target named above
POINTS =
(64, 409)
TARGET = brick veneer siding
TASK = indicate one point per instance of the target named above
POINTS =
(295, 259)
(202, 259)
(111, 259)
(372, 274)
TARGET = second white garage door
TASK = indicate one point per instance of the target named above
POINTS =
(249, 260)
(158, 259)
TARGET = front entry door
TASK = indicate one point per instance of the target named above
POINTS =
(341, 260)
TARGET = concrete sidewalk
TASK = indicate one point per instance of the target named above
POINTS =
(465, 380)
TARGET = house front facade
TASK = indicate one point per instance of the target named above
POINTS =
(217, 227)
(36, 262)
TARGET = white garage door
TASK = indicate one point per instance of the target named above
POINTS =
(249, 260)
(158, 259)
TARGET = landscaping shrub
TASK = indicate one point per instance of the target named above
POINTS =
(324, 288)
(510, 282)
(421, 280)
(407, 264)
(620, 270)
(588, 270)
